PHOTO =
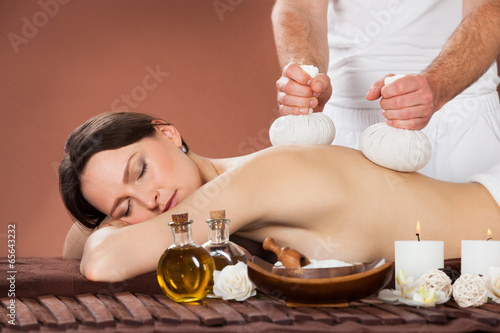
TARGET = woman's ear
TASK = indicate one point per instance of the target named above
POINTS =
(168, 131)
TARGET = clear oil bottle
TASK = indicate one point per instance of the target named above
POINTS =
(185, 270)
(223, 251)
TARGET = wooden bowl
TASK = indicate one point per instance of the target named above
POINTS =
(316, 273)
(332, 291)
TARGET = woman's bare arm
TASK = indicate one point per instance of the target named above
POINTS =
(118, 252)
(74, 242)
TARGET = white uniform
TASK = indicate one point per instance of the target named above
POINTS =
(371, 38)
(490, 180)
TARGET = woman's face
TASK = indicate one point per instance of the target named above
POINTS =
(142, 180)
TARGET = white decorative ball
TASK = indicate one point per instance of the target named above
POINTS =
(470, 290)
(396, 148)
(313, 129)
(438, 280)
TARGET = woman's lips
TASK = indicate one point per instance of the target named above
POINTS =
(171, 203)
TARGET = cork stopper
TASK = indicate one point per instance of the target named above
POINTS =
(218, 220)
(180, 218)
(180, 222)
(218, 214)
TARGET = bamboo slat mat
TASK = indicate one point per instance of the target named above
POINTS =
(134, 312)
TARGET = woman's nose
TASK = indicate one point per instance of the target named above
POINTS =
(150, 199)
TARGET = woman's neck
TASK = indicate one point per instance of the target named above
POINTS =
(205, 167)
(210, 168)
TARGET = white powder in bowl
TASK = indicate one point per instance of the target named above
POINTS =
(329, 263)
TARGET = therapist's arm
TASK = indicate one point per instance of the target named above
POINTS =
(474, 45)
(301, 37)
(470, 51)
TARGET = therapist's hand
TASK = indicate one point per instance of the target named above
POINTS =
(408, 102)
(297, 92)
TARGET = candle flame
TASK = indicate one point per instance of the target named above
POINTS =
(418, 227)
(488, 234)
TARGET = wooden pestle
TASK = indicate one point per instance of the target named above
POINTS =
(290, 258)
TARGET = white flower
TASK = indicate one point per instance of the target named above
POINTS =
(492, 280)
(412, 293)
(233, 283)
(407, 286)
(425, 295)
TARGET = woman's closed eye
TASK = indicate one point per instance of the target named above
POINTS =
(127, 212)
(129, 201)
(143, 170)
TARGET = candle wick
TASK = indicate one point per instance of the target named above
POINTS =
(488, 238)
(418, 237)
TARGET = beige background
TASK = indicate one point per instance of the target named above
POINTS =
(62, 64)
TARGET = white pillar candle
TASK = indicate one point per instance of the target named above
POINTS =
(417, 257)
(479, 255)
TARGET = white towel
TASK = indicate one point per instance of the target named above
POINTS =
(490, 180)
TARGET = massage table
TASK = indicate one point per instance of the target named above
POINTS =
(51, 295)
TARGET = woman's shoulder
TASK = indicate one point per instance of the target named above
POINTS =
(300, 155)
(301, 163)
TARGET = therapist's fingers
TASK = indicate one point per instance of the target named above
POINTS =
(414, 118)
(297, 91)
(409, 91)
(286, 110)
(294, 98)
(406, 113)
(409, 100)
(320, 84)
(290, 104)
(322, 88)
(403, 108)
(411, 124)
(297, 74)
(374, 92)
(291, 87)
(407, 84)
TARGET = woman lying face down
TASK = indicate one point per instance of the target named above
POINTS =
(124, 174)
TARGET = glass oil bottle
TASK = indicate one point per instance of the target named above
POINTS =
(223, 251)
(185, 270)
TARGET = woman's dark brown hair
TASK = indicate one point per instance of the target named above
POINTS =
(105, 131)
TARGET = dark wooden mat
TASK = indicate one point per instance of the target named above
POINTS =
(127, 312)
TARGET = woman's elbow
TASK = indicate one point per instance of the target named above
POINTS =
(99, 271)
(96, 264)
(92, 271)
(91, 265)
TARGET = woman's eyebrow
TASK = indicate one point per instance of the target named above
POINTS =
(126, 176)
(126, 172)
